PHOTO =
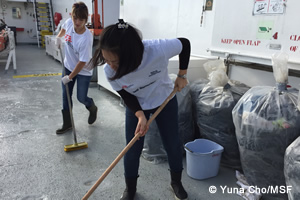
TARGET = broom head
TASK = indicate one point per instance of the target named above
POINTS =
(76, 146)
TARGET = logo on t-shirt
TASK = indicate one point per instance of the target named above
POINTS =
(154, 72)
(68, 39)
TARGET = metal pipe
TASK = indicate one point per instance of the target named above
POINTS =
(96, 25)
(102, 15)
(265, 66)
(250, 56)
(268, 68)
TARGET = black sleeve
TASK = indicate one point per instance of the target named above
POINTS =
(184, 56)
(130, 100)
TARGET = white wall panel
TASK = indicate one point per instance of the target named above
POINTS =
(171, 18)
(155, 18)
(189, 25)
(111, 11)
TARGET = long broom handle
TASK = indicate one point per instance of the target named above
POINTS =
(68, 97)
(129, 145)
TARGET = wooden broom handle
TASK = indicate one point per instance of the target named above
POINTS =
(128, 146)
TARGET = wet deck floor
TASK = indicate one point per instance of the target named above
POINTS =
(33, 164)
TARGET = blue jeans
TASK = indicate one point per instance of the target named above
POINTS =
(83, 83)
(167, 123)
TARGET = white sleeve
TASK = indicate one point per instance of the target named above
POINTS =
(110, 73)
(171, 47)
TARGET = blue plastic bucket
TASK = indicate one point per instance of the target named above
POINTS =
(203, 158)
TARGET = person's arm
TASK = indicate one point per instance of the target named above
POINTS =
(130, 100)
(133, 104)
(77, 69)
(184, 58)
(67, 78)
(61, 33)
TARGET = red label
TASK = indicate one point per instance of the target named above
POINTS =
(68, 38)
(241, 42)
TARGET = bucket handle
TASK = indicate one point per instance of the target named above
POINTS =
(188, 149)
(216, 152)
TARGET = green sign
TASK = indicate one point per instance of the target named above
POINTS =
(265, 30)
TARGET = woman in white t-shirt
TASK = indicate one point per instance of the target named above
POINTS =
(78, 51)
(137, 70)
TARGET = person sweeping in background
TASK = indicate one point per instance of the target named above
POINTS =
(78, 52)
(137, 70)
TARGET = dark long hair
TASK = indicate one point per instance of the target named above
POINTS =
(123, 40)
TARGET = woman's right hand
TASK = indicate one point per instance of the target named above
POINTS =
(141, 127)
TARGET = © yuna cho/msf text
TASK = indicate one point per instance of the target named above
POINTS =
(254, 189)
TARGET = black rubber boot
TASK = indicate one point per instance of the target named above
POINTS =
(67, 125)
(93, 113)
(130, 190)
(177, 187)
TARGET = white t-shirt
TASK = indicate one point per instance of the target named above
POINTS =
(78, 48)
(150, 83)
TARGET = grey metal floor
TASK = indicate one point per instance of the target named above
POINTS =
(33, 164)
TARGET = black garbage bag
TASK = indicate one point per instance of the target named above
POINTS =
(196, 88)
(267, 120)
(214, 112)
(292, 169)
(185, 115)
